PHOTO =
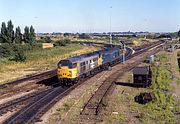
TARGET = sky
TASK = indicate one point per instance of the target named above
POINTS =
(93, 15)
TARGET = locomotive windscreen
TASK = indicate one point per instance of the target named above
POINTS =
(67, 63)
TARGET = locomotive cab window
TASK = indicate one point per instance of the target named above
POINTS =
(67, 63)
(74, 65)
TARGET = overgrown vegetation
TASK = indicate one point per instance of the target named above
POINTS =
(62, 42)
(17, 52)
(163, 108)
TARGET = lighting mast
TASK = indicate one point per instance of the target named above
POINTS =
(110, 35)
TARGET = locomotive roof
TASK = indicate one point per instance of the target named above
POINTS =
(109, 50)
(83, 57)
(91, 55)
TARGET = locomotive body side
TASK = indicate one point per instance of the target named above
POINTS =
(76, 68)
(110, 56)
(73, 69)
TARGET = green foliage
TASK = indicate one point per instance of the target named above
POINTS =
(66, 34)
(59, 43)
(84, 36)
(6, 50)
(178, 81)
(18, 36)
(29, 35)
(19, 55)
(47, 39)
(10, 32)
(178, 34)
(173, 34)
(163, 76)
(26, 35)
(3, 35)
(161, 110)
(62, 42)
(32, 35)
(162, 58)
(7, 34)
(16, 52)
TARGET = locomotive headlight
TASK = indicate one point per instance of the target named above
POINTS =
(70, 73)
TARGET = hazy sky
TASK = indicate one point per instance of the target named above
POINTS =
(93, 15)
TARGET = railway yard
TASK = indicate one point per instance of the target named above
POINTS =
(40, 98)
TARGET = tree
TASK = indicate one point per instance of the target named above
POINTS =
(178, 33)
(19, 55)
(18, 36)
(10, 32)
(47, 39)
(29, 35)
(84, 36)
(26, 35)
(3, 33)
(32, 35)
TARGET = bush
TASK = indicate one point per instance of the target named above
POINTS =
(6, 50)
(60, 43)
(19, 56)
(17, 51)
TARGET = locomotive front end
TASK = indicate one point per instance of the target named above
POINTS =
(67, 72)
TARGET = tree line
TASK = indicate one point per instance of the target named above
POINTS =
(8, 35)
(14, 43)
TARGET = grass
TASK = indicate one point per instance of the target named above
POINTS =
(178, 81)
(140, 41)
(162, 110)
(69, 110)
(39, 60)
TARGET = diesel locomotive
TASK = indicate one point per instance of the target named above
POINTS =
(73, 69)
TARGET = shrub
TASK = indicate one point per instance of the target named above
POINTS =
(60, 43)
(19, 56)
(6, 50)
(16, 52)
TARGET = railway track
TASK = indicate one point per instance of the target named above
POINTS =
(31, 82)
(22, 101)
(36, 77)
(95, 103)
(32, 112)
(42, 105)
(26, 84)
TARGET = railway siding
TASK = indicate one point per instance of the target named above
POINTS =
(95, 103)
(34, 111)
